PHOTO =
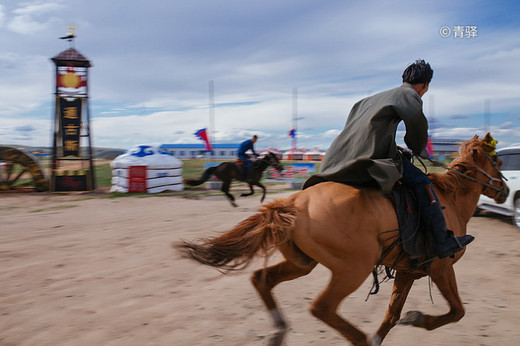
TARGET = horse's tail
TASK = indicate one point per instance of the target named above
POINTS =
(259, 233)
(205, 176)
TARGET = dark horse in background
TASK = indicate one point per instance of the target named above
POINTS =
(227, 171)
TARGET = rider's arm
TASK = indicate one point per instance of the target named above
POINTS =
(409, 109)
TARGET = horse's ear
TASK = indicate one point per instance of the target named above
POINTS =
(489, 144)
(476, 155)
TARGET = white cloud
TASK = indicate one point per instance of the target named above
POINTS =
(153, 60)
(35, 132)
(37, 8)
(25, 24)
(25, 85)
(2, 15)
(32, 17)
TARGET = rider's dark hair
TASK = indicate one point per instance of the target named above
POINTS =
(255, 136)
(417, 73)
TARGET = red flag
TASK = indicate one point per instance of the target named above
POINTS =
(429, 148)
(202, 134)
(292, 133)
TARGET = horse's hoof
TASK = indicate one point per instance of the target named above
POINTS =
(234, 204)
(277, 337)
(413, 318)
(375, 341)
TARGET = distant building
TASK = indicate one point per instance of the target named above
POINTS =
(192, 151)
(445, 148)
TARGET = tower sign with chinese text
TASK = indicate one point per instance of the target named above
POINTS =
(72, 155)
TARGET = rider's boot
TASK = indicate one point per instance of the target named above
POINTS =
(446, 242)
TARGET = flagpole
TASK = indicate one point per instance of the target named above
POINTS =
(211, 113)
(430, 148)
(487, 111)
(295, 118)
(432, 115)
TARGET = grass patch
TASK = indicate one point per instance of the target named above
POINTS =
(103, 174)
(10, 208)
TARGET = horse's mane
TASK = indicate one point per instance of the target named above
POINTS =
(262, 160)
(258, 162)
(450, 182)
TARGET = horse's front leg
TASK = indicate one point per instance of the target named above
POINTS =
(263, 190)
(225, 188)
(251, 191)
(402, 284)
(444, 277)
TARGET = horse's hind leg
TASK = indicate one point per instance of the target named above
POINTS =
(251, 191)
(402, 284)
(443, 276)
(264, 280)
(326, 305)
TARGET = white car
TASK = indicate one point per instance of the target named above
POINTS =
(511, 170)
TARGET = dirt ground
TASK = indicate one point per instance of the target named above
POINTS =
(89, 269)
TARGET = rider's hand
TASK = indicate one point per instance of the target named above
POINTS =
(405, 153)
(424, 154)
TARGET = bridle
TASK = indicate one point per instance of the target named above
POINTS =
(274, 162)
(488, 184)
(492, 179)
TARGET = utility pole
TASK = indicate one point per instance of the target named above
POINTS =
(432, 115)
(211, 131)
(295, 118)
(487, 110)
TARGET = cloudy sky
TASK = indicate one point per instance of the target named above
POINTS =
(153, 62)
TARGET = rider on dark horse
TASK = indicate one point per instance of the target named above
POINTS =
(366, 153)
(244, 157)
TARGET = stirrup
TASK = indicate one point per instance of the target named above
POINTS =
(450, 252)
(457, 241)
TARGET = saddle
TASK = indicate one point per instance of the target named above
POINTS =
(415, 240)
(242, 169)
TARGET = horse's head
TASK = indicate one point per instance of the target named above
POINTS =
(479, 161)
(273, 161)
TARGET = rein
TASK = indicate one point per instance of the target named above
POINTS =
(491, 179)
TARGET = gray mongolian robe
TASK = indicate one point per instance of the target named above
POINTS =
(365, 152)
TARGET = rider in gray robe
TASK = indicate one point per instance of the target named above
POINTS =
(366, 151)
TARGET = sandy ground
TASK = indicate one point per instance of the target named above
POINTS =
(92, 270)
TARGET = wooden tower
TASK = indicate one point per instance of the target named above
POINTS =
(72, 154)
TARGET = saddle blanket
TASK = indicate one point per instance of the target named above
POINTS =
(416, 241)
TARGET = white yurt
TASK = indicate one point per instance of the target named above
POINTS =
(159, 170)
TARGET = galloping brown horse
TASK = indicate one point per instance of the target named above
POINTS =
(345, 229)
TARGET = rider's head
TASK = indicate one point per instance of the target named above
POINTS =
(254, 139)
(419, 75)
